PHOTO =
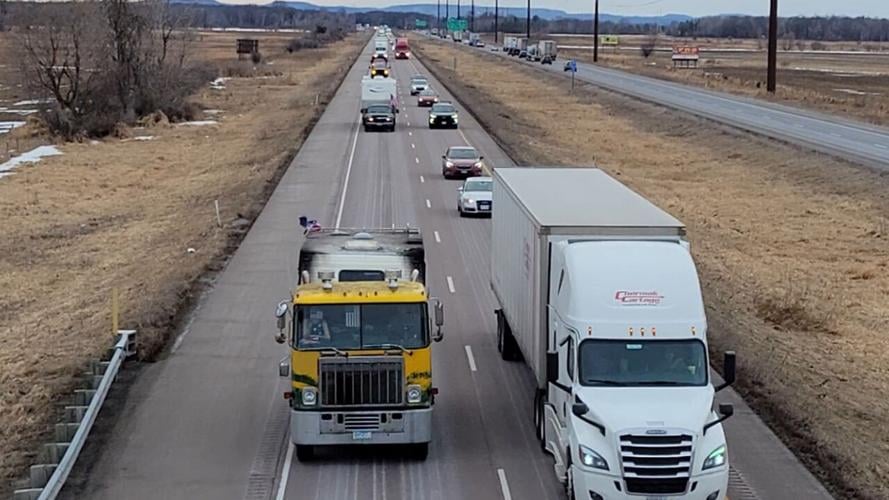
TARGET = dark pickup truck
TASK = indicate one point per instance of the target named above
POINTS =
(379, 116)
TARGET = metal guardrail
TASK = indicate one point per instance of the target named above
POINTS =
(123, 348)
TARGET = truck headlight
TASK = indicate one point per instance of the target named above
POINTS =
(716, 458)
(414, 394)
(309, 396)
(592, 459)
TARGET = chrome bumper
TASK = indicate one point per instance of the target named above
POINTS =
(340, 428)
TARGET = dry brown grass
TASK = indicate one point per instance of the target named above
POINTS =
(123, 213)
(850, 85)
(790, 247)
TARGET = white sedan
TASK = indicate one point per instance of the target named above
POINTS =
(475, 196)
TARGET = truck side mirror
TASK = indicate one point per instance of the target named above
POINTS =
(580, 409)
(281, 315)
(726, 410)
(438, 313)
(728, 370)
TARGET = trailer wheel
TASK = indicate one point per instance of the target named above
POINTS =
(305, 453)
(506, 343)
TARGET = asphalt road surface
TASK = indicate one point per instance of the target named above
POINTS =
(848, 139)
(209, 420)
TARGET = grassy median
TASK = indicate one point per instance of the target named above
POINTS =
(790, 245)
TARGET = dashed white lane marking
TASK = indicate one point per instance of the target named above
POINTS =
(417, 160)
(410, 133)
(413, 146)
(437, 237)
(451, 285)
(504, 486)
(285, 472)
(470, 358)
(422, 179)
(428, 204)
(881, 146)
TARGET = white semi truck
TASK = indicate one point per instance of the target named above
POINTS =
(599, 295)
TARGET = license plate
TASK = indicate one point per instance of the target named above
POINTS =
(361, 435)
(484, 205)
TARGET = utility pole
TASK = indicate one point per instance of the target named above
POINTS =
(458, 9)
(596, 34)
(472, 17)
(496, 13)
(447, 14)
(528, 23)
(438, 17)
(772, 83)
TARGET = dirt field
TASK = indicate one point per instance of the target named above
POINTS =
(791, 247)
(139, 214)
(851, 84)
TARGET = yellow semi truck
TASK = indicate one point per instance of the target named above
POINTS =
(360, 325)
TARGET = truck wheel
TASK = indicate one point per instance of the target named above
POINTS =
(419, 451)
(305, 453)
(539, 402)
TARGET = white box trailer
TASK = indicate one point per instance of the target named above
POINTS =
(599, 295)
(378, 91)
(546, 51)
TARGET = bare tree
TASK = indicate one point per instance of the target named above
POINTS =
(59, 48)
(649, 43)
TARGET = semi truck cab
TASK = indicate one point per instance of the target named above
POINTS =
(628, 409)
(360, 328)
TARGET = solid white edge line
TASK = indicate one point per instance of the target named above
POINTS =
(470, 358)
(504, 486)
(339, 213)
(285, 473)
(451, 285)
(428, 204)
(437, 237)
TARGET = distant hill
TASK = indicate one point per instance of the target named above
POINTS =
(430, 9)
(197, 2)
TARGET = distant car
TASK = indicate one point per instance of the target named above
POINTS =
(419, 84)
(523, 54)
(567, 66)
(443, 114)
(479, 43)
(427, 98)
(461, 161)
(377, 55)
(379, 116)
(475, 196)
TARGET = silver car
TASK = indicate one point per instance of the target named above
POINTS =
(418, 84)
(474, 197)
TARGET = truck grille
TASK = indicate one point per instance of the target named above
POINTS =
(361, 382)
(362, 422)
(656, 464)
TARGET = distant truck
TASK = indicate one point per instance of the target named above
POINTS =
(521, 47)
(599, 295)
(510, 45)
(546, 52)
(457, 36)
(402, 49)
(475, 40)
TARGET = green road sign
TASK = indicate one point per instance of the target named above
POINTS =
(457, 24)
(420, 24)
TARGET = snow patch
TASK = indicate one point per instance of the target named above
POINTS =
(200, 123)
(6, 127)
(21, 112)
(33, 156)
(213, 111)
(32, 102)
(219, 83)
(856, 92)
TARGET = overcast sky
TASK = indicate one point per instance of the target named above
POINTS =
(874, 8)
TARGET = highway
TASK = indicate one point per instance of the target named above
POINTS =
(209, 420)
(851, 140)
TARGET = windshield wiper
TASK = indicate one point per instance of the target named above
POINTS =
(325, 350)
(655, 382)
(391, 346)
(601, 381)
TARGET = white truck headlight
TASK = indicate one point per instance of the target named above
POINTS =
(592, 459)
(716, 458)
(309, 396)
(414, 394)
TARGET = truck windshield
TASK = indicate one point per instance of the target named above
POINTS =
(643, 363)
(357, 326)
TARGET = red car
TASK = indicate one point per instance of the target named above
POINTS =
(461, 161)
(427, 98)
